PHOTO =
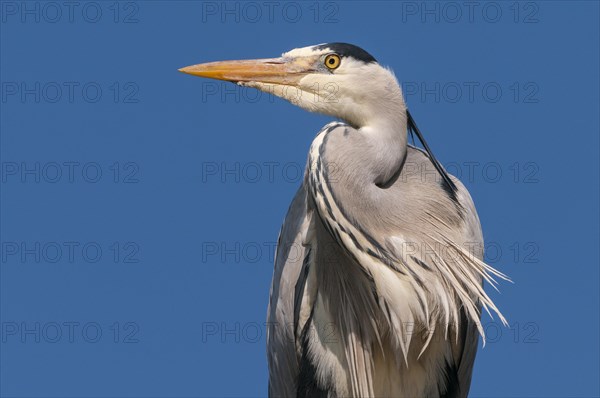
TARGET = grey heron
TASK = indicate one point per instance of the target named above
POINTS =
(385, 297)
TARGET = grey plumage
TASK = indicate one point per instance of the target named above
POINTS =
(377, 289)
(422, 199)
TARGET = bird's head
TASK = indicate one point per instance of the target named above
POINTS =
(337, 79)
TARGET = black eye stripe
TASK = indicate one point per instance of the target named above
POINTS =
(348, 50)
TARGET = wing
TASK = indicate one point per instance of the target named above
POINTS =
(464, 341)
(418, 243)
(281, 349)
(459, 369)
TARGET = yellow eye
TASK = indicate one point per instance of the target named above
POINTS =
(332, 61)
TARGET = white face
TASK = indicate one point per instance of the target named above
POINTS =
(342, 87)
(317, 79)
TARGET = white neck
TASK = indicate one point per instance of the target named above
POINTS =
(385, 127)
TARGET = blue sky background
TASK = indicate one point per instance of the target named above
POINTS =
(139, 206)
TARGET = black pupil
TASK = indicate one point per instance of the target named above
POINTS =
(331, 61)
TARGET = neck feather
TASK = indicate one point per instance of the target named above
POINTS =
(385, 130)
